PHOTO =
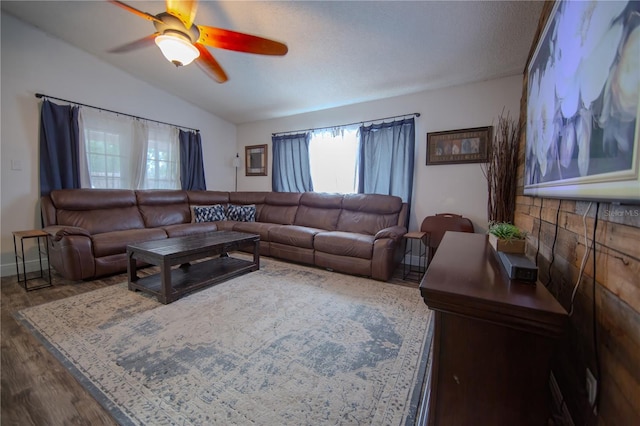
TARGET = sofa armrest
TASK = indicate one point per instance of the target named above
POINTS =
(71, 251)
(394, 232)
(386, 250)
(58, 232)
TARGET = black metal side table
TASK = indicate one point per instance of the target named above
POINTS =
(415, 255)
(38, 235)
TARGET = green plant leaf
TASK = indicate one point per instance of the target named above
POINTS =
(506, 231)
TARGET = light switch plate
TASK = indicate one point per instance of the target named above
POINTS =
(16, 164)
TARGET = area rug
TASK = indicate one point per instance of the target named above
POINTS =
(285, 345)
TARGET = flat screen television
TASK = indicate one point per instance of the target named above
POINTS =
(583, 104)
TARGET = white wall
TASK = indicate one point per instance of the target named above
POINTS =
(458, 189)
(34, 62)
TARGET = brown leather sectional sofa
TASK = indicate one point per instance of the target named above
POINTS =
(359, 234)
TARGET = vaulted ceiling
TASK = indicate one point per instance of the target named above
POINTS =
(340, 52)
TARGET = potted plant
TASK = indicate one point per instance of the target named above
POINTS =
(508, 238)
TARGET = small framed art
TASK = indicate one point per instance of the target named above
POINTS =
(255, 160)
(459, 146)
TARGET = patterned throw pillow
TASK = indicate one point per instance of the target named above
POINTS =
(209, 213)
(246, 213)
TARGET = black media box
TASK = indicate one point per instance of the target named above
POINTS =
(519, 267)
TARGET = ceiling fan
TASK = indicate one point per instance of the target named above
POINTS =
(182, 41)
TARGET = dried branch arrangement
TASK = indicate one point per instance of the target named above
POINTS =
(501, 170)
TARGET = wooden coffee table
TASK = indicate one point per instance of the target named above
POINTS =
(171, 283)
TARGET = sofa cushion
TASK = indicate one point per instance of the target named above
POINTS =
(292, 235)
(279, 207)
(227, 225)
(368, 213)
(372, 203)
(363, 223)
(115, 242)
(92, 199)
(214, 213)
(259, 228)
(319, 210)
(245, 213)
(98, 221)
(161, 207)
(97, 210)
(282, 215)
(164, 215)
(248, 197)
(344, 244)
(185, 229)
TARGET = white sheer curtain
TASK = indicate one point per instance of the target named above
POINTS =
(120, 152)
(333, 155)
(162, 157)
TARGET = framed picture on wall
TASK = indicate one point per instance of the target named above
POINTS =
(459, 146)
(255, 160)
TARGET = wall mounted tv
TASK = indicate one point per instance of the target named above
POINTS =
(583, 104)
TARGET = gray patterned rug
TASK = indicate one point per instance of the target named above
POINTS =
(286, 345)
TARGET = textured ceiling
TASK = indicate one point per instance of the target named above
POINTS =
(340, 52)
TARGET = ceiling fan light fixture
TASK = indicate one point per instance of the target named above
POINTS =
(177, 49)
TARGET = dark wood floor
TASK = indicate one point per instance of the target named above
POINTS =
(36, 389)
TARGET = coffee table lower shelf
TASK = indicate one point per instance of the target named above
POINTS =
(188, 278)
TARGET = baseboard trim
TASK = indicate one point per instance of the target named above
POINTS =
(9, 269)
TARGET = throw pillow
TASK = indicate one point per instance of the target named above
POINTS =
(193, 212)
(246, 213)
(209, 213)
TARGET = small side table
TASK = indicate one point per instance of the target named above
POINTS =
(38, 235)
(416, 255)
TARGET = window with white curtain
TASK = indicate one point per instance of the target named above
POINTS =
(163, 158)
(121, 152)
(333, 155)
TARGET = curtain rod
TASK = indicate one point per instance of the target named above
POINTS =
(41, 95)
(417, 114)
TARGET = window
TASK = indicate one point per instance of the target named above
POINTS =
(163, 159)
(373, 159)
(333, 155)
(123, 153)
(105, 159)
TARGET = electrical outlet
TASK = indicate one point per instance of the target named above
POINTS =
(592, 387)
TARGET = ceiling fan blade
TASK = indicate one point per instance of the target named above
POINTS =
(184, 10)
(135, 11)
(240, 42)
(209, 65)
(137, 44)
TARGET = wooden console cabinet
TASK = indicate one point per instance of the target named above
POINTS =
(493, 339)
